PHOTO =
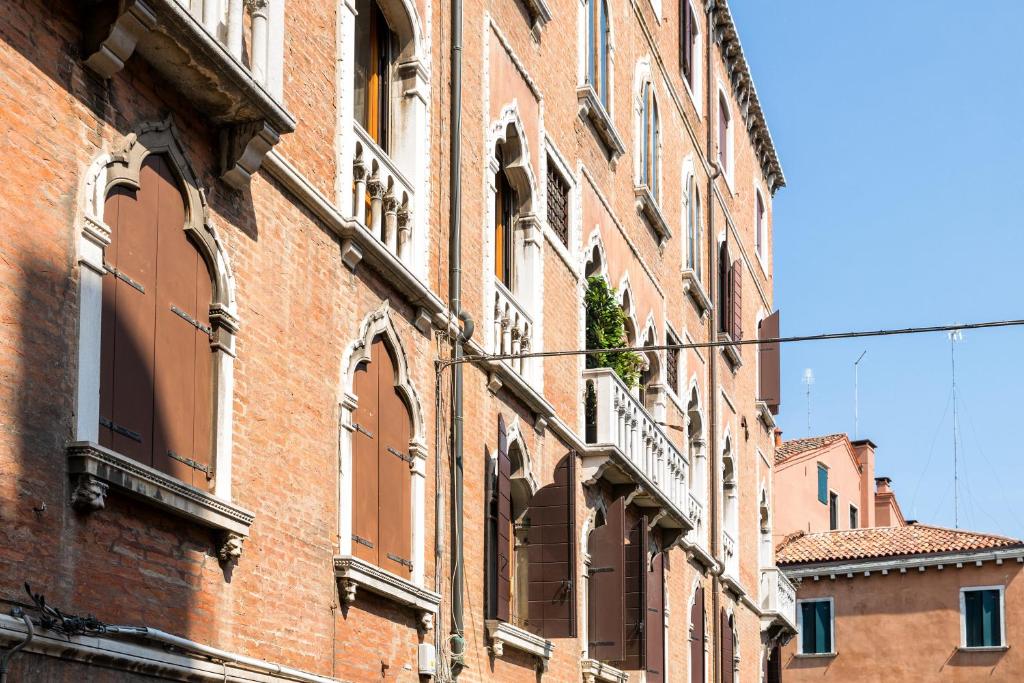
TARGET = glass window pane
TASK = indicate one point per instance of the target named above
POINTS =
(822, 484)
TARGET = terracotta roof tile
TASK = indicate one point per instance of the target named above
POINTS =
(855, 544)
(796, 446)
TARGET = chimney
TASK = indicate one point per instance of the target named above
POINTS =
(883, 485)
(778, 437)
(864, 451)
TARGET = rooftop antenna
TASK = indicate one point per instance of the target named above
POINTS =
(856, 391)
(808, 380)
(954, 337)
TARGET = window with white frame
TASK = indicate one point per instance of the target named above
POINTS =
(760, 224)
(598, 44)
(724, 135)
(651, 141)
(815, 624)
(559, 201)
(854, 517)
(693, 225)
(981, 617)
(690, 49)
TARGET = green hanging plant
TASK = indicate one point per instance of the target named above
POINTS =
(606, 329)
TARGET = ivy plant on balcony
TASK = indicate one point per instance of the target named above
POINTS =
(606, 329)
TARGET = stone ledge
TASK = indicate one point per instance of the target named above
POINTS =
(594, 671)
(502, 633)
(354, 572)
(592, 108)
(731, 351)
(648, 207)
(96, 468)
(693, 287)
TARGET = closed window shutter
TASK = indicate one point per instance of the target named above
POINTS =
(687, 41)
(736, 300)
(365, 471)
(727, 649)
(823, 626)
(724, 289)
(770, 363)
(723, 133)
(655, 627)
(606, 591)
(636, 594)
(128, 319)
(552, 595)
(504, 525)
(697, 637)
(394, 495)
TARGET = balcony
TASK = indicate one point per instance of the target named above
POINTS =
(628, 447)
(388, 213)
(513, 328)
(731, 558)
(224, 55)
(778, 601)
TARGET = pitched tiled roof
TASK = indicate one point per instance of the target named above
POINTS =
(896, 541)
(796, 446)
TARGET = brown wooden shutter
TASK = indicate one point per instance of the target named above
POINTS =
(687, 40)
(129, 312)
(770, 363)
(724, 289)
(654, 630)
(636, 594)
(394, 496)
(504, 525)
(606, 592)
(365, 471)
(697, 637)
(736, 300)
(727, 649)
(552, 595)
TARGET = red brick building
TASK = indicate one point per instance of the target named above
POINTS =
(226, 282)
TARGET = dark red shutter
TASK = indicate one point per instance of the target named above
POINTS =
(770, 363)
(606, 609)
(394, 495)
(551, 575)
(365, 471)
(687, 40)
(636, 594)
(727, 649)
(697, 637)
(724, 289)
(736, 300)
(504, 525)
(654, 630)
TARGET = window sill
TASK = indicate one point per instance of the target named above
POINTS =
(816, 655)
(693, 287)
(732, 583)
(96, 468)
(502, 634)
(354, 572)
(731, 351)
(993, 648)
(766, 414)
(594, 671)
(647, 205)
(694, 97)
(540, 13)
(593, 109)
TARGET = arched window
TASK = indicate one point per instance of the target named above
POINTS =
(375, 50)
(381, 465)
(693, 226)
(697, 636)
(649, 163)
(759, 223)
(156, 359)
(506, 203)
(598, 41)
(728, 647)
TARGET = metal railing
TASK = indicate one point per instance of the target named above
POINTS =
(381, 195)
(621, 420)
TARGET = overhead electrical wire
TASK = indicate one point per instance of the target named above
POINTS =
(738, 342)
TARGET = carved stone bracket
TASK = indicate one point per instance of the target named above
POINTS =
(89, 493)
(109, 44)
(243, 147)
(230, 548)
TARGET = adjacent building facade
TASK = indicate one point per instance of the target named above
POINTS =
(227, 435)
(880, 598)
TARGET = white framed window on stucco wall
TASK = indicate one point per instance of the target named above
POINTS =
(979, 631)
(815, 627)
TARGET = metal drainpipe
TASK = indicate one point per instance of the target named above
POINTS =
(5, 659)
(458, 642)
(713, 465)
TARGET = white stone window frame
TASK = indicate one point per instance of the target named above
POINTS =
(528, 258)
(380, 323)
(963, 619)
(696, 91)
(409, 124)
(800, 627)
(121, 166)
(761, 239)
(601, 115)
(642, 77)
(728, 173)
(706, 645)
(564, 251)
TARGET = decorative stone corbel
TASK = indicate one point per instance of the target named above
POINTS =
(497, 648)
(426, 621)
(348, 591)
(351, 254)
(109, 43)
(494, 383)
(242, 148)
(423, 321)
(230, 548)
(89, 494)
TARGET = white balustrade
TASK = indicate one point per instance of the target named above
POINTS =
(778, 594)
(387, 214)
(696, 512)
(248, 42)
(729, 553)
(513, 328)
(622, 421)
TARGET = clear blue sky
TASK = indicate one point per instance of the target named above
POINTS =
(900, 127)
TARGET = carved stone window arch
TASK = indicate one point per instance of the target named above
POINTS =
(94, 467)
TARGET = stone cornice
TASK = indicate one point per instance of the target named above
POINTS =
(866, 567)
